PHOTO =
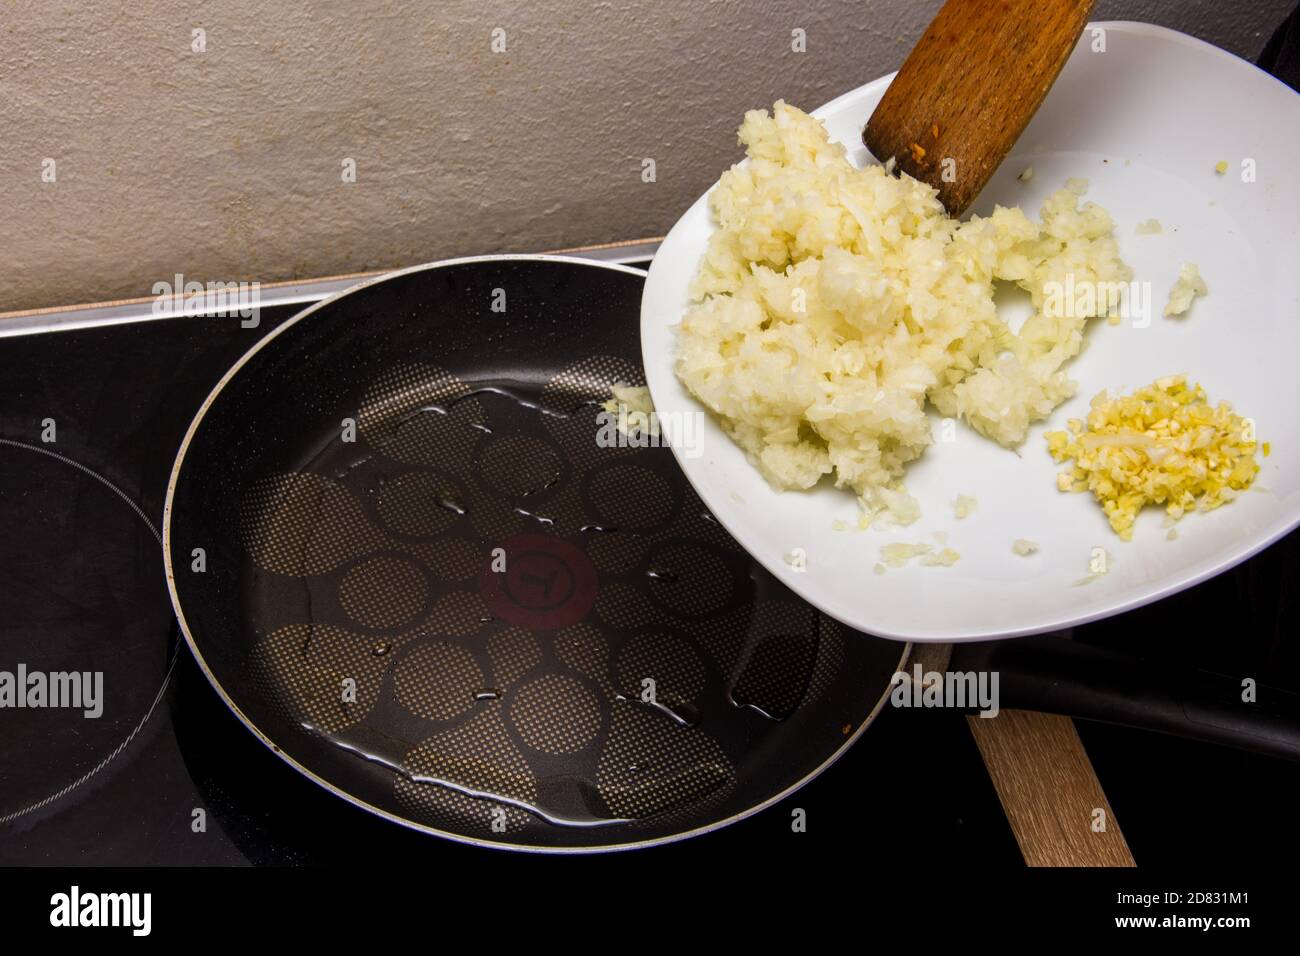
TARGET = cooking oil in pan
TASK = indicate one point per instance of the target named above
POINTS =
(494, 697)
(561, 801)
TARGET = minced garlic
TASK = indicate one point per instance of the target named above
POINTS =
(945, 558)
(635, 411)
(1186, 287)
(1164, 444)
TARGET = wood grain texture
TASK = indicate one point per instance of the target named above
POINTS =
(1049, 790)
(969, 88)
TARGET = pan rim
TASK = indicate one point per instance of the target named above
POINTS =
(234, 708)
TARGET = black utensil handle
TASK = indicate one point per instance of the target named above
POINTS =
(1061, 676)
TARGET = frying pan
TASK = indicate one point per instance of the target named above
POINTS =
(402, 556)
(406, 559)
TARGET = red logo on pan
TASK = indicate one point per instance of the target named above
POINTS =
(547, 583)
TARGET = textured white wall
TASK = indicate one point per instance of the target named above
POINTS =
(226, 164)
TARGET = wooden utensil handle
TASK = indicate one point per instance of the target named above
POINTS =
(969, 88)
(1049, 791)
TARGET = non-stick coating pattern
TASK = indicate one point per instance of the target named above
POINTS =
(350, 610)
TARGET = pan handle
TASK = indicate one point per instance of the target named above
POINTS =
(1058, 675)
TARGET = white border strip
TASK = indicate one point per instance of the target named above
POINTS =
(271, 295)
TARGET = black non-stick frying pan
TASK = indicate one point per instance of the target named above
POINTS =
(404, 555)
(407, 554)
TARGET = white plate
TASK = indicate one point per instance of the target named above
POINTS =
(1146, 121)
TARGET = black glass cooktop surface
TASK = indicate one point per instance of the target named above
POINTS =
(166, 775)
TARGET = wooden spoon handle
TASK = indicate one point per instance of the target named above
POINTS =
(969, 88)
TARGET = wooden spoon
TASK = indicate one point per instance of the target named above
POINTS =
(969, 88)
